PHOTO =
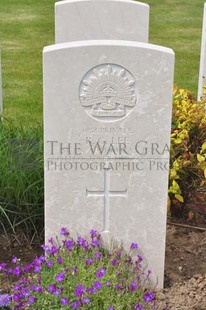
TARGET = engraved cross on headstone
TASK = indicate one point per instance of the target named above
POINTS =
(106, 193)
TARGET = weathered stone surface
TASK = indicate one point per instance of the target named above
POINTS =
(202, 69)
(107, 116)
(102, 20)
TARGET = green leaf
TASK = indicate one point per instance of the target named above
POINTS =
(200, 158)
(204, 146)
(179, 198)
(177, 141)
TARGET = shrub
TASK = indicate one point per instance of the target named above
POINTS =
(188, 148)
(81, 274)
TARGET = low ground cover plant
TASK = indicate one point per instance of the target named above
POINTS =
(79, 274)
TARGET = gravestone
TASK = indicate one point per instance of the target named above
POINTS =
(202, 69)
(77, 20)
(107, 116)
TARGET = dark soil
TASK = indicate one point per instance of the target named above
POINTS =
(185, 254)
(185, 270)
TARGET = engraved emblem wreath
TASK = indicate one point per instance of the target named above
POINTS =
(108, 92)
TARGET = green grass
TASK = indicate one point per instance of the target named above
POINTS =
(26, 26)
(178, 24)
(21, 181)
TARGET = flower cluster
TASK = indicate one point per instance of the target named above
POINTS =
(80, 274)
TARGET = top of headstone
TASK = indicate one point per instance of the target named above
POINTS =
(142, 45)
(77, 20)
(127, 1)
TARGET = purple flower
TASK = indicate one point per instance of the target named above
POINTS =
(60, 277)
(107, 283)
(148, 296)
(118, 287)
(49, 264)
(59, 260)
(95, 243)
(140, 258)
(133, 286)
(46, 248)
(2, 266)
(75, 304)
(98, 255)
(134, 246)
(110, 308)
(5, 300)
(32, 287)
(119, 254)
(8, 271)
(17, 271)
(39, 260)
(89, 261)
(64, 231)
(69, 244)
(138, 307)
(25, 292)
(114, 262)
(16, 287)
(81, 242)
(54, 250)
(39, 289)
(14, 259)
(100, 273)
(91, 290)
(129, 260)
(57, 292)
(17, 297)
(52, 288)
(149, 272)
(75, 269)
(37, 269)
(86, 300)
(97, 285)
(64, 301)
(51, 240)
(79, 290)
(29, 267)
(19, 306)
(93, 233)
(31, 300)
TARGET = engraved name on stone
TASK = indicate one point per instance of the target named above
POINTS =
(108, 92)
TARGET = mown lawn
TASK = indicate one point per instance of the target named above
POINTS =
(178, 24)
(26, 26)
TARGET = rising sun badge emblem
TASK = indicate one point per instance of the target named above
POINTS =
(108, 92)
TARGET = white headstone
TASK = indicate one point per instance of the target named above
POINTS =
(77, 20)
(202, 70)
(107, 116)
